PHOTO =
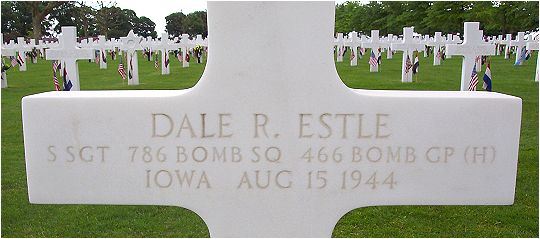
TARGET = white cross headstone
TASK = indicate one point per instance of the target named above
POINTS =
(22, 47)
(353, 43)
(498, 44)
(519, 44)
(437, 42)
(41, 47)
(408, 46)
(425, 40)
(506, 43)
(533, 46)
(131, 43)
(185, 45)
(150, 49)
(340, 47)
(68, 53)
(103, 46)
(375, 44)
(165, 45)
(7, 50)
(267, 148)
(390, 40)
(473, 46)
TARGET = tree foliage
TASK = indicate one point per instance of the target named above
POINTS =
(20, 18)
(194, 23)
(445, 16)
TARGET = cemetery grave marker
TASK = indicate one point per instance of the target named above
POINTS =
(473, 46)
(185, 45)
(519, 45)
(102, 46)
(437, 42)
(9, 51)
(165, 45)
(408, 45)
(68, 53)
(533, 46)
(267, 148)
(22, 47)
(375, 44)
(131, 43)
(353, 44)
(340, 47)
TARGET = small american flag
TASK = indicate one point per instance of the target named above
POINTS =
(187, 56)
(121, 70)
(166, 59)
(408, 64)
(474, 79)
(179, 56)
(439, 56)
(156, 63)
(14, 61)
(55, 66)
(352, 54)
(373, 60)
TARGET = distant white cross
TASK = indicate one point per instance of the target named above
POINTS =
(340, 47)
(21, 47)
(473, 46)
(437, 42)
(375, 44)
(353, 43)
(533, 46)
(102, 46)
(185, 45)
(519, 43)
(68, 53)
(506, 43)
(165, 45)
(131, 43)
(425, 40)
(7, 50)
(408, 46)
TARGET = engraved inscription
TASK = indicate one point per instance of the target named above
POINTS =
(360, 163)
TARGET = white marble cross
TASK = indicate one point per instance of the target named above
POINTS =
(7, 50)
(425, 40)
(165, 45)
(339, 42)
(506, 43)
(497, 41)
(353, 43)
(473, 46)
(390, 39)
(408, 46)
(519, 44)
(68, 53)
(437, 42)
(22, 47)
(131, 43)
(103, 46)
(375, 44)
(266, 145)
(533, 46)
(41, 47)
(185, 45)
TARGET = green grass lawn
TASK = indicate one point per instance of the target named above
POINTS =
(21, 219)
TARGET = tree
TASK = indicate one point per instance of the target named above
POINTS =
(39, 11)
(16, 20)
(195, 23)
(145, 27)
(174, 23)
